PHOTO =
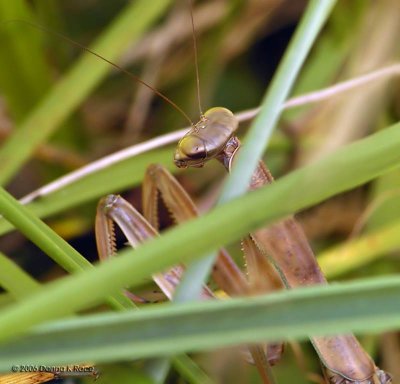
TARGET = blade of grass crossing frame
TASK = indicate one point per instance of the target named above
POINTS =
(167, 329)
(346, 168)
(353, 254)
(50, 242)
(20, 285)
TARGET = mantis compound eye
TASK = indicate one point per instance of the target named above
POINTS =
(191, 152)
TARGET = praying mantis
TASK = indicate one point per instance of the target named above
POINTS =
(213, 137)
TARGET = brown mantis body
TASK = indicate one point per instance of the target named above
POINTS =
(343, 358)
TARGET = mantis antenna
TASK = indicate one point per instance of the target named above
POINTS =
(195, 57)
(126, 72)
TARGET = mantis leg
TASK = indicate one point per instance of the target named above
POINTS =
(284, 242)
(262, 276)
(159, 181)
(226, 273)
(137, 230)
(342, 355)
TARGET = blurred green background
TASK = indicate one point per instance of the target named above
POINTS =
(55, 118)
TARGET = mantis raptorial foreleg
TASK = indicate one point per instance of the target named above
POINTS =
(344, 359)
(138, 229)
(262, 278)
(226, 273)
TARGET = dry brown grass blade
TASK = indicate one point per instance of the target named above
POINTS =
(172, 137)
(26, 378)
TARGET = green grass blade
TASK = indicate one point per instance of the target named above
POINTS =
(369, 305)
(46, 239)
(349, 167)
(261, 130)
(76, 85)
(329, 56)
(21, 54)
(361, 251)
(190, 371)
(20, 285)
(15, 280)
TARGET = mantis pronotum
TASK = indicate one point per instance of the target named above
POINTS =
(213, 137)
